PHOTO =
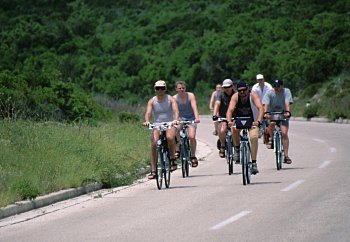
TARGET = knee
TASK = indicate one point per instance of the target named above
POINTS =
(285, 135)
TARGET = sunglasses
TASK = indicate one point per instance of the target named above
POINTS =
(160, 88)
(242, 90)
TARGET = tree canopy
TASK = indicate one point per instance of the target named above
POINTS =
(55, 54)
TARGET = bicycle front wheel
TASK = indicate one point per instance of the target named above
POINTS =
(249, 162)
(159, 166)
(245, 160)
(229, 155)
(166, 169)
(185, 157)
(278, 150)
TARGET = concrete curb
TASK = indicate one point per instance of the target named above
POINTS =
(42, 201)
(24, 206)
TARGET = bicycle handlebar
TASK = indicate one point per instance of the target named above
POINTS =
(164, 125)
(277, 116)
(223, 120)
(187, 122)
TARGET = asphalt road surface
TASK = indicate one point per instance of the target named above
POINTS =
(309, 200)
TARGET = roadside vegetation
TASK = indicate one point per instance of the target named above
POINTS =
(37, 158)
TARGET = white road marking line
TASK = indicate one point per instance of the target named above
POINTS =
(319, 140)
(333, 150)
(293, 185)
(230, 220)
(324, 164)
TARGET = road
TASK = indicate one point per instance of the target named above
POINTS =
(308, 200)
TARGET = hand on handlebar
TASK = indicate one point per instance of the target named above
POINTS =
(146, 124)
(287, 114)
(266, 115)
(215, 118)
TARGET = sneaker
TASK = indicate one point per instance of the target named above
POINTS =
(236, 156)
(254, 168)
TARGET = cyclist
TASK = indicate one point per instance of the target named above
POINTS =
(186, 102)
(164, 109)
(276, 100)
(215, 96)
(260, 88)
(220, 110)
(241, 106)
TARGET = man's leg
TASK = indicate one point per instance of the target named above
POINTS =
(154, 138)
(270, 141)
(193, 143)
(222, 134)
(170, 136)
(236, 143)
(285, 140)
(254, 135)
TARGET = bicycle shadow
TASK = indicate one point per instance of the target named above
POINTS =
(208, 175)
(264, 183)
(180, 187)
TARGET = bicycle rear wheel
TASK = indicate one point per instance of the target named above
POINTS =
(278, 150)
(159, 166)
(229, 155)
(166, 169)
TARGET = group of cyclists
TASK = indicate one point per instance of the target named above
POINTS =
(229, 100)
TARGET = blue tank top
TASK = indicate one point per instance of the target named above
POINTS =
(185, 109)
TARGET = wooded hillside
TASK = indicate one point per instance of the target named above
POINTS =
(56, 54)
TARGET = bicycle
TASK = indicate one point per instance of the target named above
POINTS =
(277, 117)
(185, 148)
(163, 165)
(229, 150)
(244, 123)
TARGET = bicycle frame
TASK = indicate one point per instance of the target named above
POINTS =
(278, 117)
(245, 157)
(162, 155)
(229, 150)
(185, 148)
(244, 147)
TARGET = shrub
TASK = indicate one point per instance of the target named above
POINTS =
(125, 117)
(25, 189)
(311, 111)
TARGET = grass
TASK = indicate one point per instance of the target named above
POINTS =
(39, 158)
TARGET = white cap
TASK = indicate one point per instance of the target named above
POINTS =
(259, 76)
(160, 83)
(227, 83)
